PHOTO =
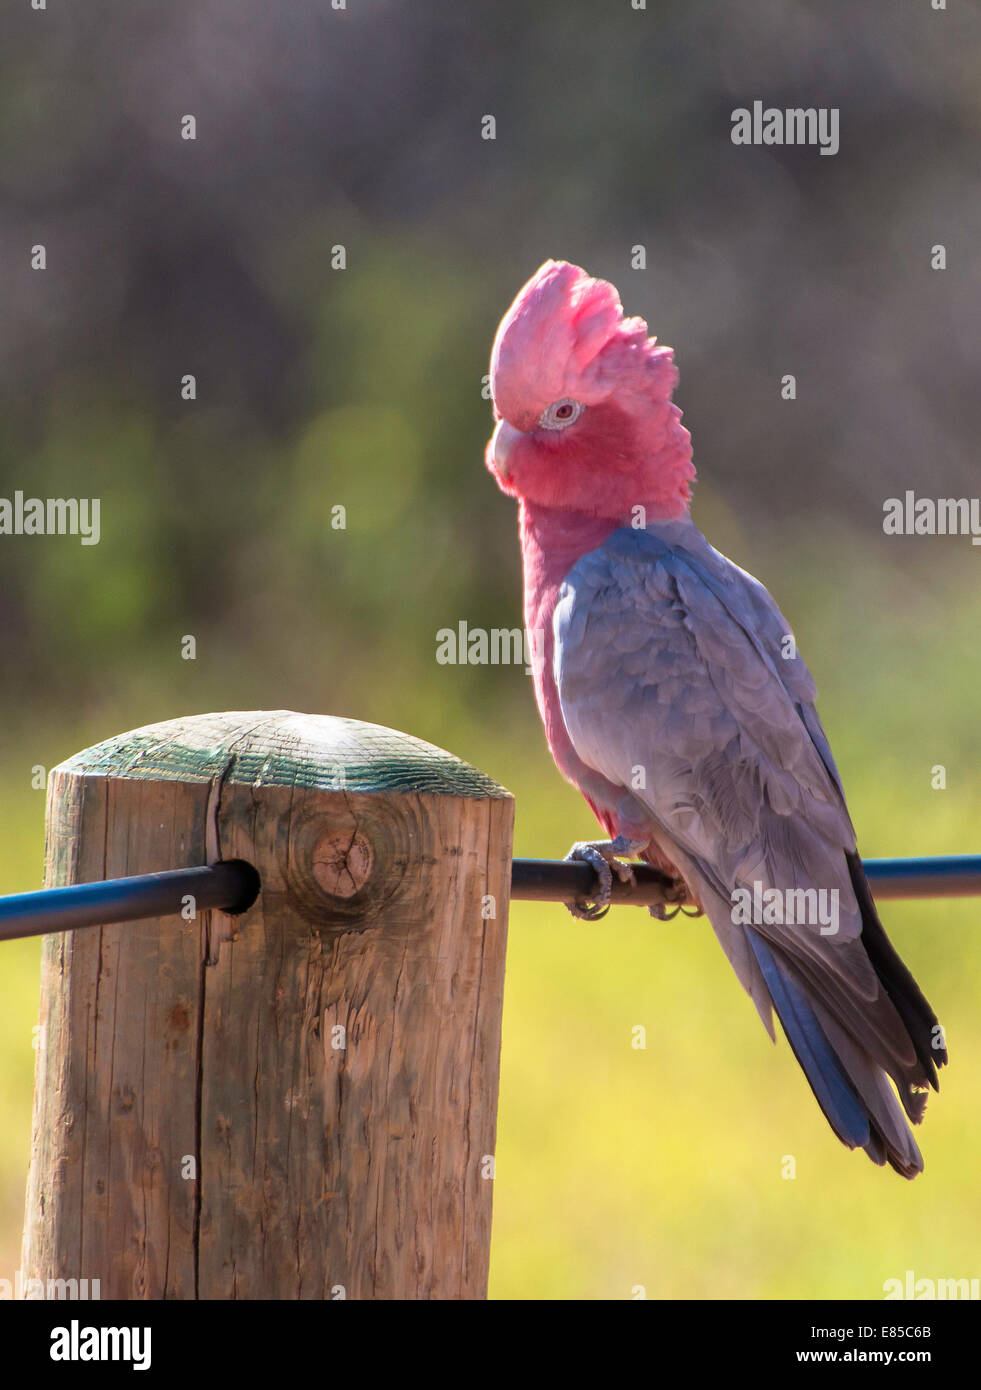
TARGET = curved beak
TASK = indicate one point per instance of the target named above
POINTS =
(502, 441)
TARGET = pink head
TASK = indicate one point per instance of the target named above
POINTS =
(583, 402)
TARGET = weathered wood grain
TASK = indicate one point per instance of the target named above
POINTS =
(299, 1102)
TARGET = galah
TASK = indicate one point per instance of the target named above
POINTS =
(673, 698)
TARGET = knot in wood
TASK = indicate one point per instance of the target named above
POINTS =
(342, 863)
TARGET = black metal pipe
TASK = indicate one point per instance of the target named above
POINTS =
(230, 885)
(943, 876)
(563, 880)
(233, 886)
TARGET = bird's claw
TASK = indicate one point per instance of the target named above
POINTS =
(602, 858)
(677, 894)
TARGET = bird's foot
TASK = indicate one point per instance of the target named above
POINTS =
(678, 894)
(602, 856)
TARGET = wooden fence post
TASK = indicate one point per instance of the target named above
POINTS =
(298, 1102)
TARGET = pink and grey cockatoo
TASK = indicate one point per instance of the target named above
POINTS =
(672, 699)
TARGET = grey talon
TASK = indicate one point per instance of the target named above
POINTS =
(603, 857)
(587, 912)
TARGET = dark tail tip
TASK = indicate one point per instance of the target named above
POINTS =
(919, 1019)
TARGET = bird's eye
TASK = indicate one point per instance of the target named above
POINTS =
(560, 414)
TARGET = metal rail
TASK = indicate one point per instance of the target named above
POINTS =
(944, 876)
(232, 886)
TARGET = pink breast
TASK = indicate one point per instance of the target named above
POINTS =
(551, 543)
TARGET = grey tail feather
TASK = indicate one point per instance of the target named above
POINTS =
(852, 1090)
(890, 1137)
(918, 1018)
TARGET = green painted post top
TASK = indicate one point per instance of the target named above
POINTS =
(316, 752)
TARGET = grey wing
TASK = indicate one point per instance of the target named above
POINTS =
(669, 668)
(663, 666)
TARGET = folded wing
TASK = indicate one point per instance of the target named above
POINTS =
(678, 678)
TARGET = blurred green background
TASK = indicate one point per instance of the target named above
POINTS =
(617, 1168)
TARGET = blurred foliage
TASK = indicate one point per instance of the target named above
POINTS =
(362, 388)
